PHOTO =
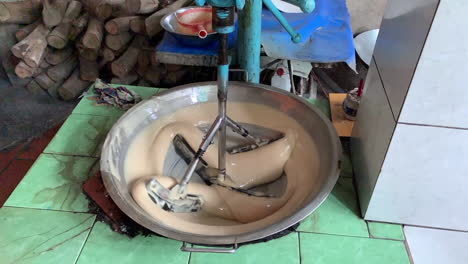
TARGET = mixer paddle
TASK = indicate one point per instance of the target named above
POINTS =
(177, 199)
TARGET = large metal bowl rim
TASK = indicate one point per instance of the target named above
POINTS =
(110, 184)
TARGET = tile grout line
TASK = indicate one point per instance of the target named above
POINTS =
(70, 155)
(52, 210)
(436, 228)
(427, 125)
(368, 229)
(86, 240)
(316, 233)
(300, 253)
(189, 258)
(408, 250)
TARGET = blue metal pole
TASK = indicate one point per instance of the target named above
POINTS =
(250, 26)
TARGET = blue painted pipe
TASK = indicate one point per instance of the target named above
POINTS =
(250, 24)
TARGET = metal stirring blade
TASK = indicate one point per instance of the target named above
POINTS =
(177, 199)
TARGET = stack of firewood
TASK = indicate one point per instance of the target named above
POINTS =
(67, 44)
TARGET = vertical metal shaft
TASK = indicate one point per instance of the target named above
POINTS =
(201, 150)
(223, 76)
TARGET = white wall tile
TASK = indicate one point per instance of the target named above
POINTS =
(438, 94)
(437, 246)
(424, 179)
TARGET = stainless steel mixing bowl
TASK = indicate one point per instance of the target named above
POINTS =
(144, 114)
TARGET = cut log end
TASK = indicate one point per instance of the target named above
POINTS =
(23, 70)
(5, 14)
(112, 27)
(103, 11)
(57, 42)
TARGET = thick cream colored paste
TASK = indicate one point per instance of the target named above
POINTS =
(227, 212)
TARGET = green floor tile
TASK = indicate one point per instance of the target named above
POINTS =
(331, 249)
(338, 215)
(41, 236)
(281, 250)
(89, 107)
(54, 182)
(384, 230)
(106, 246)
(81, 135)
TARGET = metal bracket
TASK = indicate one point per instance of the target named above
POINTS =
(185, 248)
(295, 36)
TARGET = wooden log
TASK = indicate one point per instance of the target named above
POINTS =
(89, 70)
(23, 70)
(32, 48)
(34, 88)
(174, 78)
(108, 54)
(72, 12)
(9, 62)
(153, 75)
(130, 78)
(93, 37)
(73, 86)
(53, 12)
(58, 56)
(117, 42)
(63, 70)
(58, 37)
(119, 25)
(137, 25)
(53, 90)
(143, 82)
(20, 12)
(125, 63)
(119, 8)
(143, 62)
(142, 6)
(26, 30)
(78, 25)
(89, 54)
(44, 81)
(37, 37)
(44, 64)
(36, 53)
(153, 22)
(153, 59)
(100, 9)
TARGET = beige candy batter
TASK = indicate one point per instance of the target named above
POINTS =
(145, 159)
(244, 170)
(218, 201)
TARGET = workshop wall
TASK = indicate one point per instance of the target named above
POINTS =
(365, 14)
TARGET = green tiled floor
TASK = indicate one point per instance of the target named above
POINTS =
(57, 230)
(81, 135)
(384, 230)
(106, 246)
(282, 250)
(327, 249)
(338, 215)
(88, 107)
(54, 182)
(40, 236)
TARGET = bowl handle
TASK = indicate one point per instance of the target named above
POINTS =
(185, 248)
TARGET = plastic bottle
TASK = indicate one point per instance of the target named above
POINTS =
(281, 79)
